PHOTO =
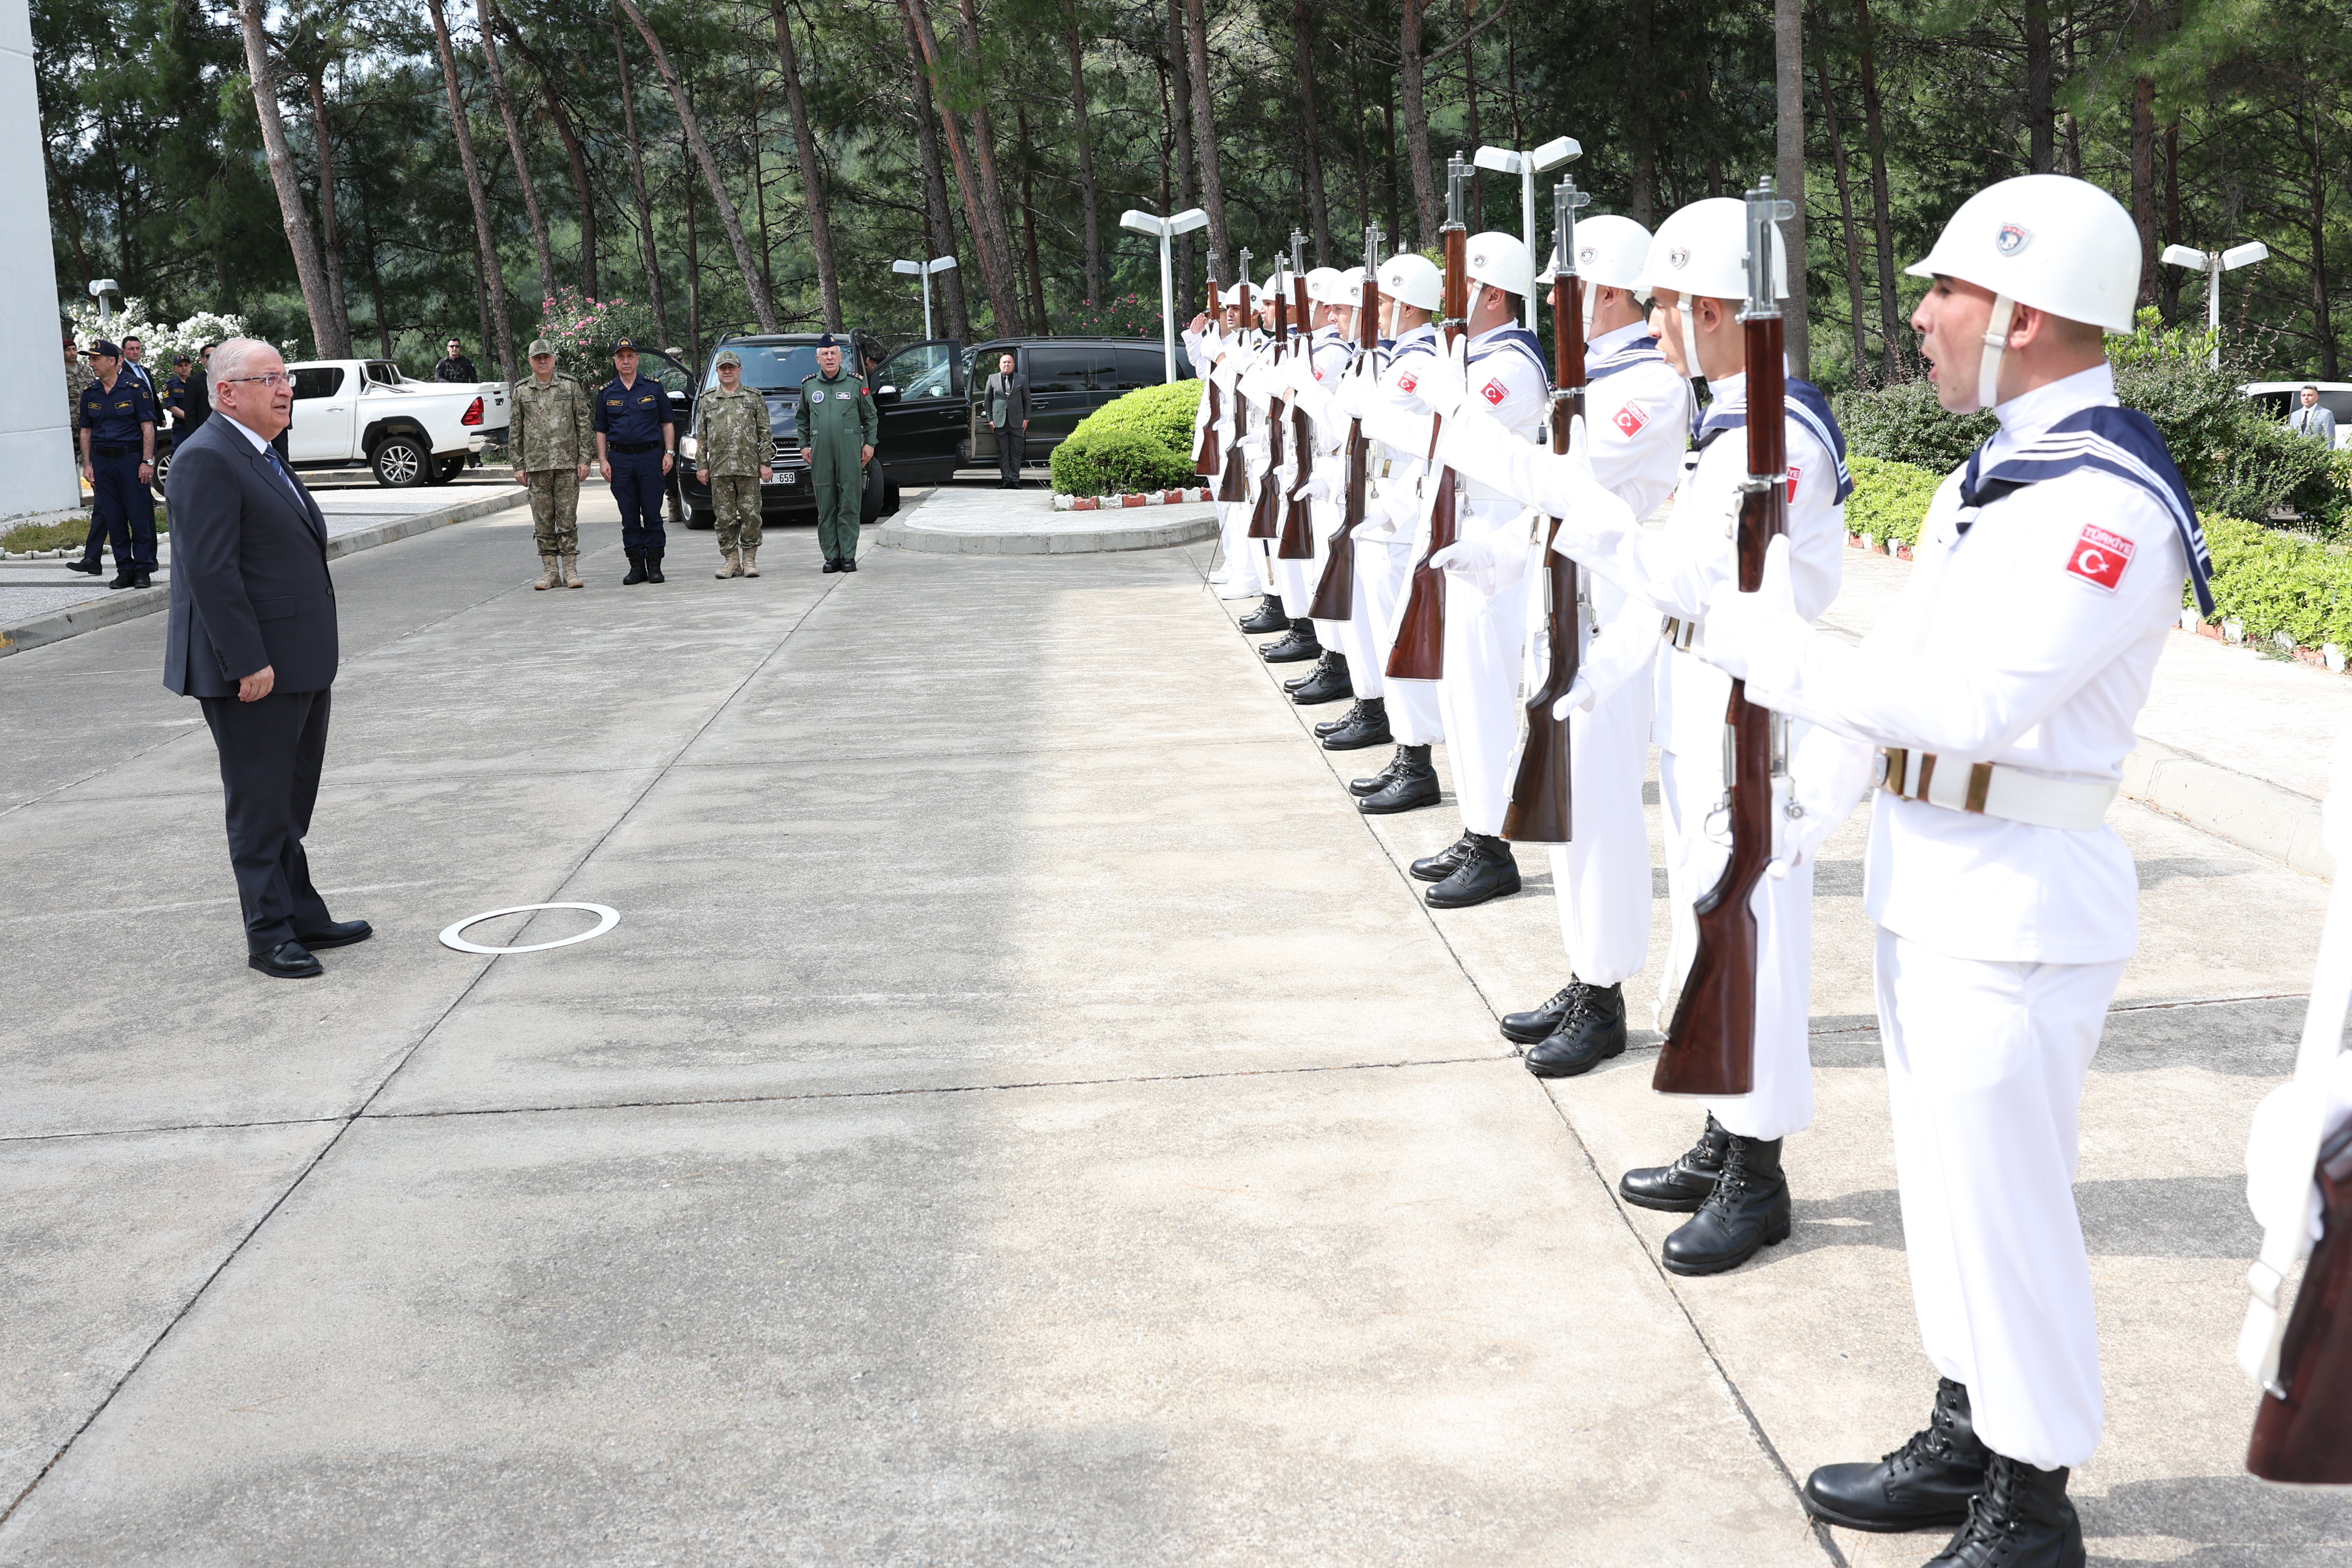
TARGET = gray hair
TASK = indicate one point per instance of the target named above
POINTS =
(239, 357)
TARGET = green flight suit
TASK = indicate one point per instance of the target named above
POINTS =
(836, 418)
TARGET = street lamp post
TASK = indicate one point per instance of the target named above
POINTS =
(924, 269)
(1526, 166)
(1165, 230)
(2213, 263)
(100, 287)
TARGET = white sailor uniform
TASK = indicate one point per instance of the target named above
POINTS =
(1385, 541)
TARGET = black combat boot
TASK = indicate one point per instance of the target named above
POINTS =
(2021, 1519)
(1294, 646)
(1539, 1022)
(1367, 724)
(1748, 1211)
(1266, 617)
(1412, 782)
(1328, 684)
(1926, 1484)
(652, 567)
(1684, 1185)
(1488, 871)
(1445, 862)
(1292, 685)
(636, 569)
(1323, 727)
(1592, 1032)
(1380, 781)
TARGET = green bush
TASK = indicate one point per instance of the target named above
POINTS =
(1905, 424)
(1142, 441)
(1890, 500)
(2275, 582)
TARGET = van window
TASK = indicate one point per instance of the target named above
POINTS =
(1058, 369)
(920, 371)
(317, 381)
(1142, 366)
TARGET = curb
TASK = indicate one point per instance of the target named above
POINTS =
(1067, 502)
(132, 603)
(1141, 534)
(2250, 813)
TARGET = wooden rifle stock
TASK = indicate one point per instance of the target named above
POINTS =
(1420, 651)
(1210, 462)
(1265, 516)
(1335, 595)
(2307, 1437)
(1234, 487)
(1541, 808)
(1710, 1046)
(1299, 515)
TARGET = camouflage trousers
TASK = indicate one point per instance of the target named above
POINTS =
(735, 498)
(555, 509)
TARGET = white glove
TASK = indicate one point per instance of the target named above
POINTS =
(1440, 382)
(1828, 776)
(1380, 524)
(1579, 698)
(1746, 630)
(1491, 567)
(1316, 486)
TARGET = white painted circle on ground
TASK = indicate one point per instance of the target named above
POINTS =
(606, 919)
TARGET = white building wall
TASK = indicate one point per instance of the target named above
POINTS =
(35, 450)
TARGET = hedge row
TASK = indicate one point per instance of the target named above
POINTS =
(2272, 581)
(1142, 441)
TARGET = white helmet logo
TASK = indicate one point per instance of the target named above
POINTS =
(2013, 239)
(1585, 255)
(1479, 259)
(1678, 256)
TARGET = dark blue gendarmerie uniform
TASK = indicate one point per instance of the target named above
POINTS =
(122, 511)
(631, 418)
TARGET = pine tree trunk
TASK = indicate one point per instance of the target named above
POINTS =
(693, 274)
(1204, 127)
(1180, 136)
(1310, 135)
(2315, 227)
(2143, 183)
(654, 290)
(1643, 199)
(995, 262)
(375, 281)
(1890, 307)
(983, 146)
(1412, 89)
(828, 282)
(1029, 220)
(1788, 69)
(310, 269)
(330, 243)
(489, 24)
(1836, 135)
(938, 219)
(2170, 276)
(762, 306)
(485, 242)
(1086, 197)
(2041, 128)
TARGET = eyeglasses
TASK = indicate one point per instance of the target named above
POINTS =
(275, 378)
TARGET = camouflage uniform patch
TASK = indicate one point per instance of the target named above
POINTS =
(551, 426)
(735, 498)
(79, 378)
(555, 509)
(735, 443)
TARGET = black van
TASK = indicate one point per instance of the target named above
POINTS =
(932, 421)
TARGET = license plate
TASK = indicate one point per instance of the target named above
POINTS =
(787, 477)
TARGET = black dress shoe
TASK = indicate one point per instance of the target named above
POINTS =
(831, 565)
(92, 567)
(342, 933)
(1488, 871)
(2021, 1519)
(1380, 781)
(1747, 1212)
(1924, 1485)
(143, 580)
(1367, 724)
(122, 580)
(1445, 862)
(1682, 1186)
(1266, 617)
(1592, 1032)
(1412, 783)
(849, 563)
(1328, 684)
(287, 961)
(1295, 646)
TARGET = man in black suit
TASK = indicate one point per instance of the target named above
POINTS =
(1007, 400)
(252, 638)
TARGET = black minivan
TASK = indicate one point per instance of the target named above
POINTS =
(932, 421)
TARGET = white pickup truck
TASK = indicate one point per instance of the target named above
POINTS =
(348, 412)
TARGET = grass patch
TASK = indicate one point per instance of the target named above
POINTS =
(71, 533)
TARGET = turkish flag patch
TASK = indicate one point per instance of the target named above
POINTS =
(1494, 392)
(2100, 557)
(1407, 382)
(1795, 473)
(1630, 420)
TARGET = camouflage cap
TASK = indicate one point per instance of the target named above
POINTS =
(727, 357)
(540, 346)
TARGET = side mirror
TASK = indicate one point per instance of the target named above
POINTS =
(885, 396)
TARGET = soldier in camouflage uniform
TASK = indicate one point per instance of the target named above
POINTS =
(553, 430)
(731, 447)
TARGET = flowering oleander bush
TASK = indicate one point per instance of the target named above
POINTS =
(582, 330)
(1132, 317)
(1142, 441)
(163, 340)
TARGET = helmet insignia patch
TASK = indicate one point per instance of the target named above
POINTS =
(1678, 256)
(2013, 239)
(1587, 255)
(1479, 259)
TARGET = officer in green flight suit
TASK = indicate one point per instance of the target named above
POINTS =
(838, 428)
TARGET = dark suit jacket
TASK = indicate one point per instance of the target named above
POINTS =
(249, 583)
(1014, 390)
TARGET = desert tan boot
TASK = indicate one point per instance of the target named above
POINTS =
(750, 561)
(552, 576)
(733, 565)
(572, 573)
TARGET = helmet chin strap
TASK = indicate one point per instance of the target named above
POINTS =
(1592, 299)
(1690, 341)
(1996, 343)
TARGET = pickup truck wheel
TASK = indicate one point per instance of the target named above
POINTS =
(446, 468)
(400, 462)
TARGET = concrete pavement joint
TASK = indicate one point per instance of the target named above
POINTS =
(422, 1037)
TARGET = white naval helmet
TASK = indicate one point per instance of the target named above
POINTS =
(1323, 286)
(1701, 250)
(1609, 254)
(1411, 278)
(2056, 244)
(1499, 261)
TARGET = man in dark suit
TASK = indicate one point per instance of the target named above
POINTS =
(1007, 400)
(252, 638)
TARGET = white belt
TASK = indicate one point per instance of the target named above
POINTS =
(1991, 789)
(1680, 635)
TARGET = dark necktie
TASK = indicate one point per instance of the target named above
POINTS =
(301, 501)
